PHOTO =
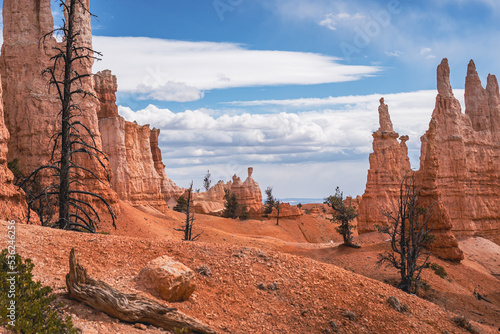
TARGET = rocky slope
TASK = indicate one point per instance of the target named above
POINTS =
(297, 294)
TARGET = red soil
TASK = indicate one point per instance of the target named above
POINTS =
(313, 287)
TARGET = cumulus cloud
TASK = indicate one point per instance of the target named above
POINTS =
(333, 132)
(181, 71)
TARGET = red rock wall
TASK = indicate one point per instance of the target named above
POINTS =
(460, 164)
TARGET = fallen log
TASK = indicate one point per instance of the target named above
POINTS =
(131, 308)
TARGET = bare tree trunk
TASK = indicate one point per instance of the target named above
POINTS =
(127, 307)
(65, 126)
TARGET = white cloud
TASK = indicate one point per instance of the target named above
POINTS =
(333, 132)
(169, 91)
(427, 53)
(396, 53)
(331, 21)
(179, 70)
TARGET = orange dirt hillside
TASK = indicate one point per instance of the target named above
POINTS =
(255, 286)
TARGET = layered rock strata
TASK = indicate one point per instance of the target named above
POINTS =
(12, 203)
(468, 151)
(138, 171)
(31, 108)
(468, 158)
(248, 193)
(444, 244)
(389, 163)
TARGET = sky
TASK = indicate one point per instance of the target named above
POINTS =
(289, 87)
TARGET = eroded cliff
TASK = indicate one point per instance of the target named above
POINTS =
(31, 108)
(138, 171)
(12, 203)
(468, 151)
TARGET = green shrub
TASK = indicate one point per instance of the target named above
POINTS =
(33, 310)
(438, 270)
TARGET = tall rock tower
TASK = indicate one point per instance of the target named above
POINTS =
(31, 106)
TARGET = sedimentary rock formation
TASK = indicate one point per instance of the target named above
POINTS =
(468, 151)
(460, 164)
(248, 193)
(12, 203)
(286, 212)
(31, 109)
(168, 187)
(211, 201)
(388, 164)
(444, 244)
(106, 85)
(138, 171)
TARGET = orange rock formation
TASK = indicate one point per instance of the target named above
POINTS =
(31, 109)
(136, 162)
(389, 163)
(459, 164)
(468, 151)
(444, 245)
(248, 193)
(12, 203)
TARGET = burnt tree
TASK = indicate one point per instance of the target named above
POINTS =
(66, 194)
(408, 229)
(187, 228)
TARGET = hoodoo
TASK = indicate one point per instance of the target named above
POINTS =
(389, 163)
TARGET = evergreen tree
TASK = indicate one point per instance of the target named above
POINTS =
(342, 214)
(270, 201)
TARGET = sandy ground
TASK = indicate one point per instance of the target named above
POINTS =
(318, 281)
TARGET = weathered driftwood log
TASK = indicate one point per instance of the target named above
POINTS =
(127, 307)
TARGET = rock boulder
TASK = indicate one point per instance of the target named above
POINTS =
(172, 280)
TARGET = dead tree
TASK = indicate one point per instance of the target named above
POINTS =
(342, 214)
(278, 209)
(131, 308)
(187, 228)
(409, 232)
(66, 195)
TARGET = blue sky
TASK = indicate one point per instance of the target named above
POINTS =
(290, 87)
